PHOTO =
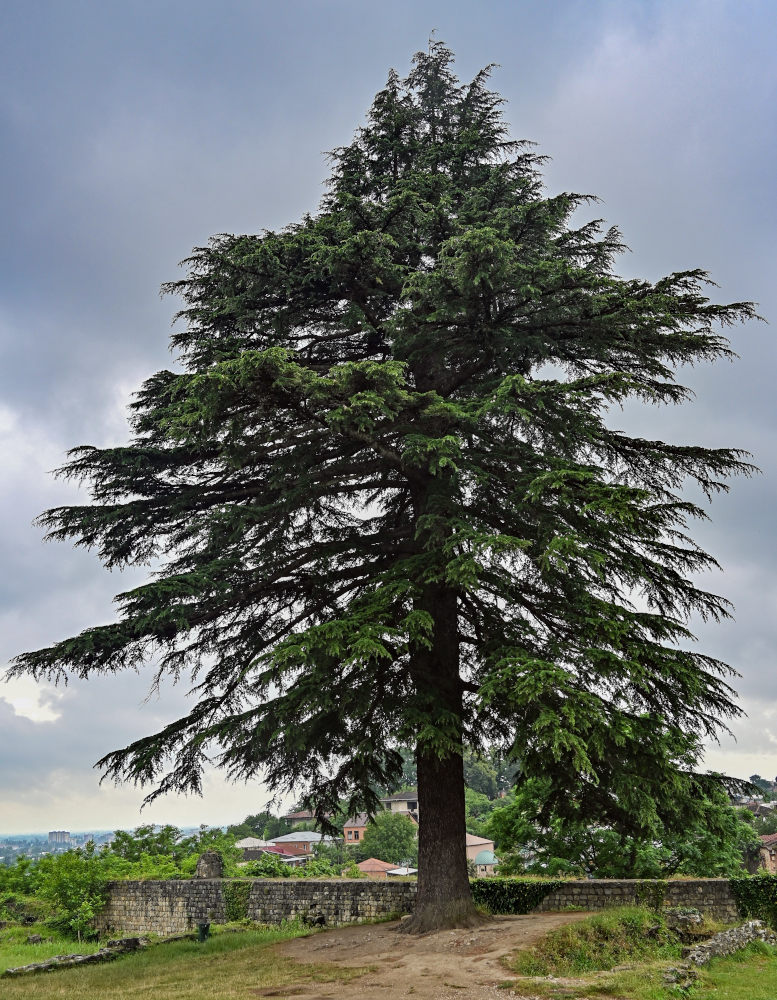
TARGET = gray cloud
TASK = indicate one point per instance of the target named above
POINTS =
(131, 135)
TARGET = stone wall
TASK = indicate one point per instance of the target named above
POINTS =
(712, 896)
(175, 907)
(161, 907)
(729, 942)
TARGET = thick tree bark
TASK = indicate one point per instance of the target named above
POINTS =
(444, 898)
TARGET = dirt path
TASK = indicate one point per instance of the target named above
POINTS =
(450, 964)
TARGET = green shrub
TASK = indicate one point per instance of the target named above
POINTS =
(75, 884)
(315, 869)
(756, 896)
(268, 866)
(512, 895)
(352, 870)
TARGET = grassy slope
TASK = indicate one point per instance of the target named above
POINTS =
(749, 975)
(581, 953)
(225, 967)
(14, 949)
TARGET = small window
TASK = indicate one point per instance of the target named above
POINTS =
(355, 834)
(350, 834)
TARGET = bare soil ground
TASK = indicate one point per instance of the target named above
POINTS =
(448, 965)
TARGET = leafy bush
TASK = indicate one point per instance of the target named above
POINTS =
(316, 869)
(756, 896)
(75, 883)
(268, 866)
(512, 895)
(20, 878)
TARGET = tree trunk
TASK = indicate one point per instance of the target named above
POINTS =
(444, 898)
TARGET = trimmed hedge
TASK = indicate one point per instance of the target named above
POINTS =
(512, 895)
(756, 896)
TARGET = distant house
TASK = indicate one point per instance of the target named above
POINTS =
(485, 862)
(251, 847)
(757, 807)
(252, 842)
(477, 844)
(300, 816)
(374, 868)
(354, 828)
(302, 842)
(767, 851)
(287, 855)
(403, 802)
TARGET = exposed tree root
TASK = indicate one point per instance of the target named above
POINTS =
(443, 916)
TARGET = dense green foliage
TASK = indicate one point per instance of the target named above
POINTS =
(388, 504)
(486, 772)
(757, 897)
(236, 895)
(272, 866)
(264, 825)
(512, 895)
(764, 825)
(704, 836)
(765, 786)
(69, 888)
(390, 837)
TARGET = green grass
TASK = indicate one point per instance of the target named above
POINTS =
(580, 959)
(751, 974)
(601, 942)
(14, 949)
(225, 967)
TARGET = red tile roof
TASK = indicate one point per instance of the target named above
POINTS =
(375, 865)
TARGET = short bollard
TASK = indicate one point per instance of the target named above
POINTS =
(203, 930)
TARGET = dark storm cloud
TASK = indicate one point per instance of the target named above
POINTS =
(131, 134)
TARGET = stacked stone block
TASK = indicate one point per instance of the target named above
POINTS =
(176, 907)
(346, 901)
(161, 907)
(712, 896)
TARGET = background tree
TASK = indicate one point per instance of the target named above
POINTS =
(706, 838)
(390, 837)
(764, 825)
(387, 503)
(763, 785)
(150, 839)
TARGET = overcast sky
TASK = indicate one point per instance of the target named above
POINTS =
(132, 132)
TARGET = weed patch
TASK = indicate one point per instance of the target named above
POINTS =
(599, 943)
(16, 950)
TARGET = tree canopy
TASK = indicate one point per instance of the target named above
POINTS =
(705, 836)
(388, 503)
(390, 837)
